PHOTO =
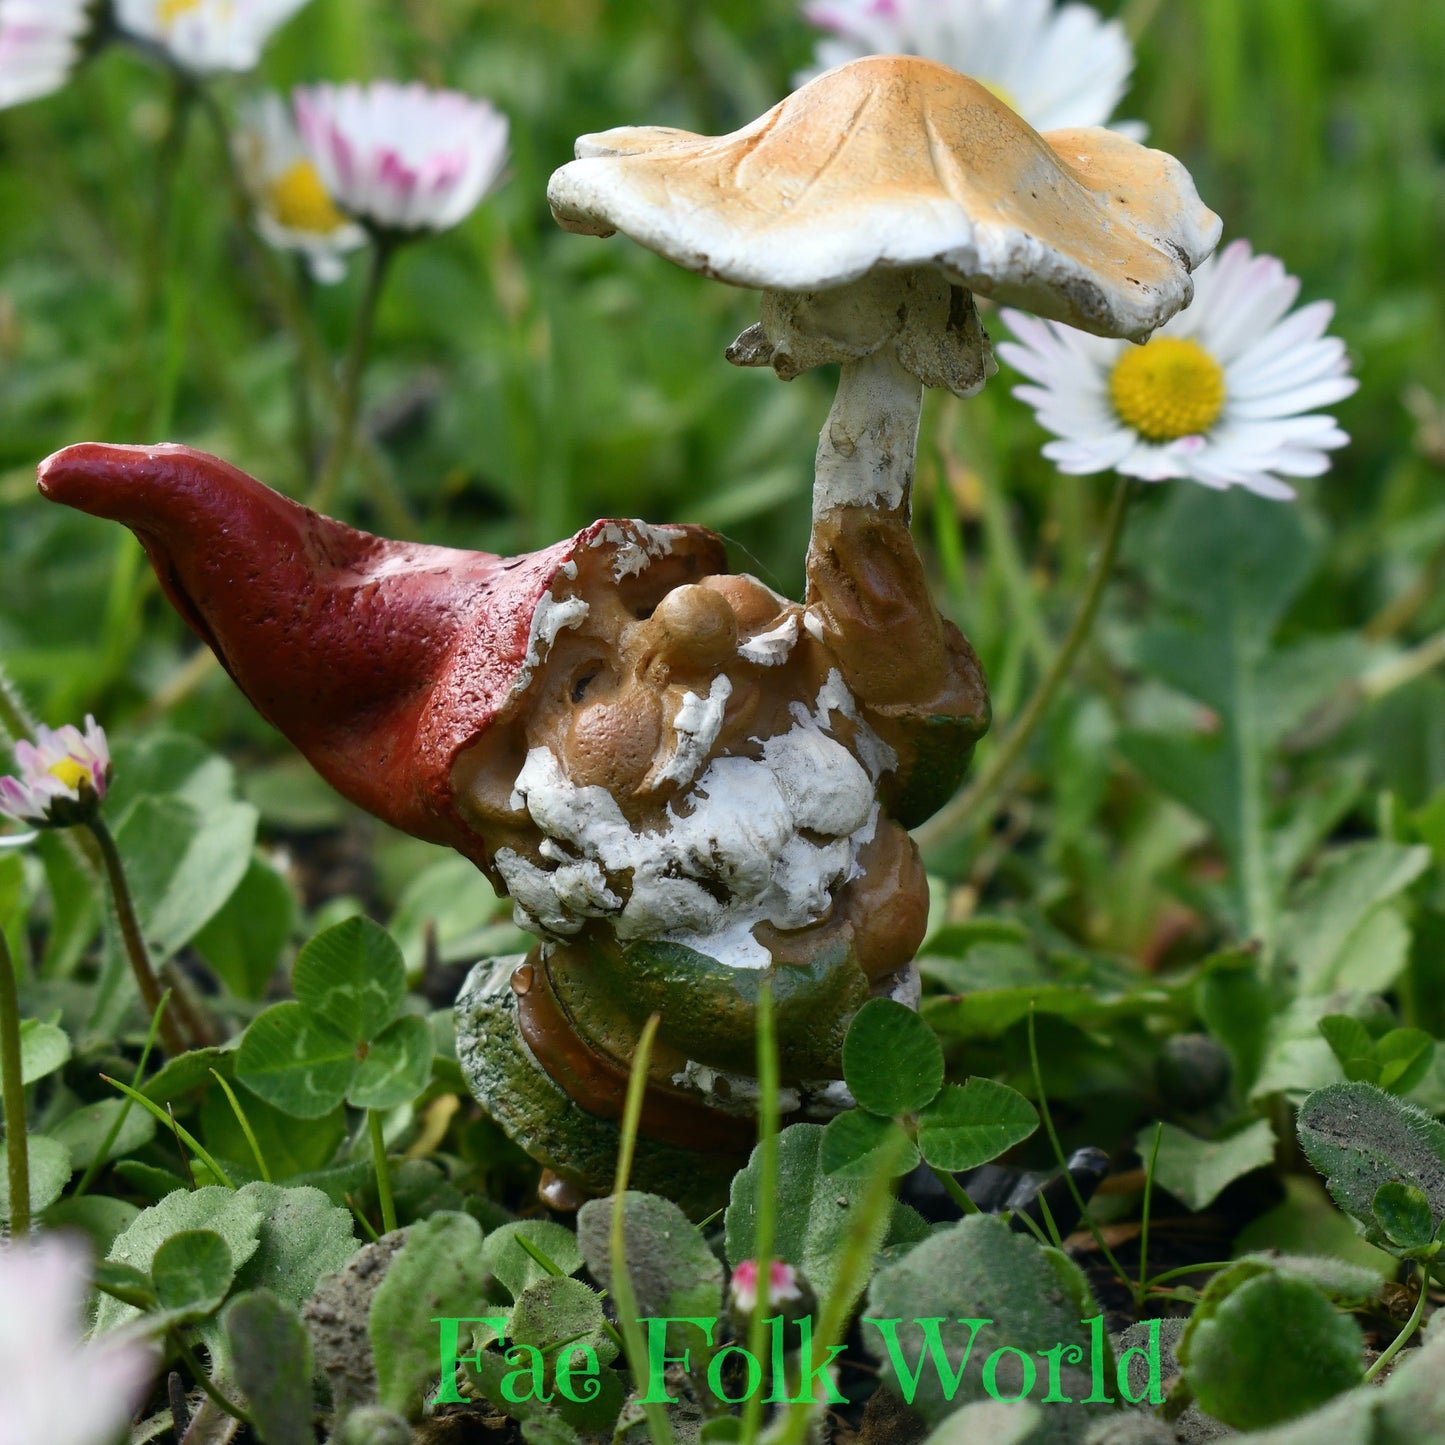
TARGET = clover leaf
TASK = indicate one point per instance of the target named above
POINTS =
(893, 1066)
(341, 1040)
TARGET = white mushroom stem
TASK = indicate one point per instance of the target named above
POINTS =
(866, 450)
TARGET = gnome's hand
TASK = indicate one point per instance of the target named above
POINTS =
(867, 589)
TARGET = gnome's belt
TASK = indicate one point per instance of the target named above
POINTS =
(598, 1083)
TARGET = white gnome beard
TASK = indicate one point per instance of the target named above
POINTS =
(736, 858)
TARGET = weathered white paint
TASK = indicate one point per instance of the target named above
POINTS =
(833, 696)
(740, 1094)
(636, 550)
(696, 726)
(551, 616)
(867, 446)
(731, 1093)
(558, 898)
(774, 647)
(740, 836)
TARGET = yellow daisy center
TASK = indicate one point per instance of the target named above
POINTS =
(298, 199)
(70, 772)
(1000, 92)
(1168, 389)
(169, 11)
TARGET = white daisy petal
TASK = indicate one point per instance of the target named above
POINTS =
(44, 1361)
(206, 36)
(1296, 399)
(1293, 462)
(1083, 458)
(1296, 330)
(1224, 395)
(403, 158)
(1257, 295)
(1104, 451)
(40, 44)
(1150, 463)
(1058, 65)
(293, 209)
(1308, 362)
(1264, 485)
(1076, 423)
(1257, 440)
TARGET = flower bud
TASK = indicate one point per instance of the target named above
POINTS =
(64, 775)
(789, 1293)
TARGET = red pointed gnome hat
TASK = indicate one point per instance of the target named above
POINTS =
(379, 660)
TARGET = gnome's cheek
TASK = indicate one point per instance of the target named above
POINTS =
(612, 744)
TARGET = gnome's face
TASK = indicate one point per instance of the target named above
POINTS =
(634, 742)
(683, 764)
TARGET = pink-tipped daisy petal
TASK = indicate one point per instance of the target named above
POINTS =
(64, 775)
(205, 37)
(402, 158)
(40, 44)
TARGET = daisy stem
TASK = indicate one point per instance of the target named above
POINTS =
(1138, 16)
(304, 421)
(12, 1089)
(288, 303)
(145, 976)
(171, 152)
(349, 403)
(624, 1295)
(951, 821)
(1382, 680)
(13, 718)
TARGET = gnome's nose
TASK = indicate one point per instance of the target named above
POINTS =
(693, 631)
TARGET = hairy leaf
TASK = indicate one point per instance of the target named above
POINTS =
(673, 1271)
(1030, 1299)
(1359, 1137)
(437, 1272)
(1268, 1348)
(271, 1360)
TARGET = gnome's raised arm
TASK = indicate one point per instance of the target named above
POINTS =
(912, 671)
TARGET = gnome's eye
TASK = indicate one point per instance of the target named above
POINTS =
(581, 684)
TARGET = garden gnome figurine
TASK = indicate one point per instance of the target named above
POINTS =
(690, 786)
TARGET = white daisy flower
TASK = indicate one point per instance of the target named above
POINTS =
(40, 43)
(205, 36)
(1058, 66)
(402, 157)
(294, 212)
(64, 775)
(1224, 394)
(53, 1387)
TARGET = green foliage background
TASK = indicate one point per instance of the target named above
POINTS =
(527, 380)
(1218, 881)
(1230, 718)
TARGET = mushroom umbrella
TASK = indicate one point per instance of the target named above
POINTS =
(869, 207)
